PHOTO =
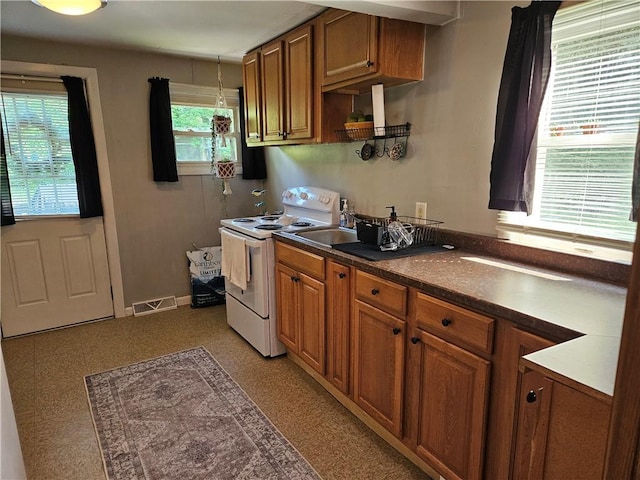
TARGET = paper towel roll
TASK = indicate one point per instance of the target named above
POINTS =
(377, 98)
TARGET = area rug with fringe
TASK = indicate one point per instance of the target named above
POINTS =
(181, 416)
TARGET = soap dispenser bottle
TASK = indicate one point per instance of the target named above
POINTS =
(343, 213)
(392, 216)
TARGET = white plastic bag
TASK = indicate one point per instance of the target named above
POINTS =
(207, 282)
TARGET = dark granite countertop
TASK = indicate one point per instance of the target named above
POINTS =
(559, 305)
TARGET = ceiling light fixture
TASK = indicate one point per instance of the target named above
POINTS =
(71, 7)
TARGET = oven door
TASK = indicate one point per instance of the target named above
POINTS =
(256, 296)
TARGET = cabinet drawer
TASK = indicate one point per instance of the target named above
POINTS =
(305, 262)
(387, 296)
(454, 323)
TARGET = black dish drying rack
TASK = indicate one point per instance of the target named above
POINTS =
(425, 231)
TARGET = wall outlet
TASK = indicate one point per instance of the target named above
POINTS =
(421, 210)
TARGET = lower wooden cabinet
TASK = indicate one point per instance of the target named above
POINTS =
(562, 432)
(301, 305)
(453, 389)
(378, 365)
(339, 297)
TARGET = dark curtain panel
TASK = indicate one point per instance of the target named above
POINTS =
(5, 190)
(525, 75)
(635, 186)
(163, 148)
(83, 149)
(254, 166)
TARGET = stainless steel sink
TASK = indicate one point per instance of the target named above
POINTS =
(329, 236)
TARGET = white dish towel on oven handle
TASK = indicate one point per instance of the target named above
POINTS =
(235, 262)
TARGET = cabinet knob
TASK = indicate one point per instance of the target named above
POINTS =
(369, 63)
(375, 291)
(342, 275)
(531, 396)
(415, 340)
(396, 331)
(446, 322)
(295, 279)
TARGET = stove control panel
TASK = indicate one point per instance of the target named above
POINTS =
(303, 200)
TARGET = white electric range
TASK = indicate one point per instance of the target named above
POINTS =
(252, 311)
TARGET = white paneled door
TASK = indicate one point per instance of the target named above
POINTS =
(54, 273)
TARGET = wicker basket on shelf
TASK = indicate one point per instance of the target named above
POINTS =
(359, 130)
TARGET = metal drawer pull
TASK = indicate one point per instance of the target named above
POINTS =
(446, 322)
(415, 340)
(375, 291)
(396, 331)
(531, 396)
(342, 275)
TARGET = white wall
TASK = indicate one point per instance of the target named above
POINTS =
(452, 112)
(156, 222)
(11, 463)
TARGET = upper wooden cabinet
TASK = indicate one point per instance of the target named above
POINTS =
(253, 98)
(272, 92)
(299, 106)
(279, 105)
(360, 50)
(299, 87)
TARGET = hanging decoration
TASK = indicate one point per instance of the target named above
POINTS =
(223, 168)
(221, 123)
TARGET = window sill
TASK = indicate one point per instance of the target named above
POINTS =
(556, 243)
(200, 168)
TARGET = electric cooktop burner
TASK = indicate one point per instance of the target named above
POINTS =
(270, 218)
(244, 220)
(274, 226)
(302, 224)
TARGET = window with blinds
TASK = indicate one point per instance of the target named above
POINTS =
(587, 130)
(39, 161)
(192, 108)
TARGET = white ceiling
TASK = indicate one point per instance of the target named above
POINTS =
(198, 28)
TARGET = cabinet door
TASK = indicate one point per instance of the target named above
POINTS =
(562, 433)
(299, 83)
(378, 370)
(338, 324)
(452, 408)
(287, 281)
(252, 97)
(511, 345)
(272, 92)
(350, 45)
(312, 322)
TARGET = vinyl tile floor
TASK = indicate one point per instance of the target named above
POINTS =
(46, 378)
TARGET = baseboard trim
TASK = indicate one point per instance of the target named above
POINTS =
(382, 432)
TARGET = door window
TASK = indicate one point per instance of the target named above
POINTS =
(39, 161)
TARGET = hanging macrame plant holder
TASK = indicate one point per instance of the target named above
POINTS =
(222, 127)
(223, 168)
(225, 171)
(220, 123)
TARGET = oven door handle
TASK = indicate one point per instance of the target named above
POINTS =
(247, 240)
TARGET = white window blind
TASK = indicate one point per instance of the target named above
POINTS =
(39, 161)
(587, 128)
